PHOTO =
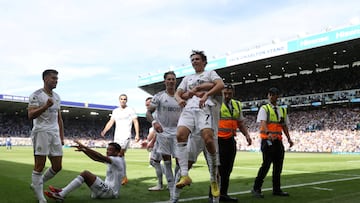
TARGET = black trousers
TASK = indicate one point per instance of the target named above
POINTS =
(271, 154)
(227, 153)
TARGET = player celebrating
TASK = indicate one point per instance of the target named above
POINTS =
(47, 133)
(197, 115)
(108, 189)
(167, 113)
(124, 116)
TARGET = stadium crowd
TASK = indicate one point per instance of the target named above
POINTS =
(336, 130)
(331, 129)
(315, 83)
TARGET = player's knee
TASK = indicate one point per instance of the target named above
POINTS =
(56, 169)
(154, 163)
(85, 173)
(209, 141)
(207, 134)
(182, 134)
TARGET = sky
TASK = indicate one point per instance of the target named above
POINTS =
(101, 47)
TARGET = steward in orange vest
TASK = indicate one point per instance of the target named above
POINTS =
(229, 119)
(274, 123)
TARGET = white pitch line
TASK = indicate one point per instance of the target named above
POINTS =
(321, 188)
(268, 189)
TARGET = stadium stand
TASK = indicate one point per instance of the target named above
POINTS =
(318, 76)
(337, 131)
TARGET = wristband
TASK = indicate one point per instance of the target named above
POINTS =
(153, 122)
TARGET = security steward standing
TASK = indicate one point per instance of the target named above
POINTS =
(273, 121)
(231, 119)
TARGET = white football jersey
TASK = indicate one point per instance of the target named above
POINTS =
(114, 174)
(47, 121)
(167, 112)
(123, 121)
(194, 80)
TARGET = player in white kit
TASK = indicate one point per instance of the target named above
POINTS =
(101, 189)
(167, 113)
(124, 117)
(197, 115)
(47, 133)
(155, 156)
(195, 144)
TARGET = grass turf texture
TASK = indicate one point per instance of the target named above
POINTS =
(308, 177)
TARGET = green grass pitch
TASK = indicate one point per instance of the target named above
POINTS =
(308, 177)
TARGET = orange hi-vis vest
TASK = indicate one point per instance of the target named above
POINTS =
(228, 122)
(274, 122)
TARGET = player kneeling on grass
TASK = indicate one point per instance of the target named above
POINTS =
(110, 188)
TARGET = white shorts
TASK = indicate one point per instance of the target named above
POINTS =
(124, 143)
(99, 189)
(47, 143)
(196, 120)
(155, 155)
(166, 144)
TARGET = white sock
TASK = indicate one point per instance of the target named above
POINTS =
(37, 184)
(168, 171)
(158, 171)
(183, 156)
(211, 158)
(75, 183)
(177, 168)
(169, 177)
(49, 173)
(176, 191)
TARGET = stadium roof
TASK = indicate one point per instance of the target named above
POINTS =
(330, 50)
(334, 49)
(10, 104)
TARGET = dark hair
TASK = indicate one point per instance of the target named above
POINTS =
(48, 72)
(201, 53)
(123, 95)
(274, 91)
(149, 98)
(115, 145)
(228, 86)
(169, 73)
